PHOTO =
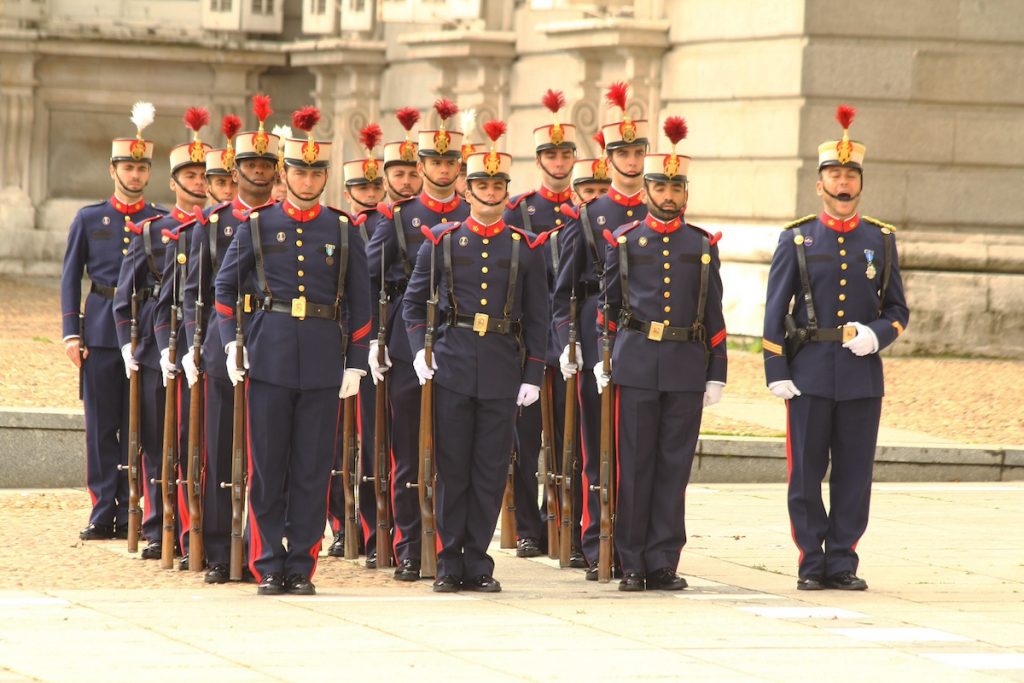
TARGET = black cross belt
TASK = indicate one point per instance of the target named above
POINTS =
(661, 332)
(301, 308)
(831, 334)
(482, 324)
(102, 290)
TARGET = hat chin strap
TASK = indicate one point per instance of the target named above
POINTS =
(190, 193)
(840, 198)
(296, 194)
(249, 180)
(128, 193)
(563, 176)
(356, 201)
(623, 173)
(469, 188)
(437, 184)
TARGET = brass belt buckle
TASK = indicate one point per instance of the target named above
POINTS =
(480, 323)
(849, 332)
(299, 308)
(247, 303)
(656, 332)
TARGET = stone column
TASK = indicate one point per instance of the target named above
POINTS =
(17, 107)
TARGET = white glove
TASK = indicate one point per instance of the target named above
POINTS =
(570, 369)
(784, 388)
(713, 393)
(377, 371)
(419, 364)
(188, 363)
(167, 368)
(234, 373)
(864, 343)
(602, 379)
(528, 394)
(350, 382)
(130, 364)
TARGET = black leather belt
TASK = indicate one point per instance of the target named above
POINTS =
(301, 308)
(482, 324)
(395, 289)
(832, 334)
(661, 332)
(102, 290)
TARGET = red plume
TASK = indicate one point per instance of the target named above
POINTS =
(844, 115)
(599, 138)
(369, 137)
(261, 107)
(553, 100)
(306, 118)
(495, 129)
(675, 128)
(230, 125)
(196, 118)
(446, 108)
(408, 117)
(617, 93)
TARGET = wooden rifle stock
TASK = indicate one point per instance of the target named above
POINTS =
(568, 448)
(382, 444)
(546, 464)
(196, 437)
(427, 463)
(348, 467)
(238, 450)
(134, 441)
(169, 469)
(606, 484)
(508, 506)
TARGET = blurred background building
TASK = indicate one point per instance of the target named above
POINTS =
(939, 85)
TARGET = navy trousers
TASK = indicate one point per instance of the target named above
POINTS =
(105, 398)
(473, 440)
(529, 522)
(404, 399)
(657, 436)
(152, 398)
(291, 449)
(820, 430)
(218, 408)
(590, 445)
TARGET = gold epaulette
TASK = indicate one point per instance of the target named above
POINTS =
(884, 226)
(800, 221)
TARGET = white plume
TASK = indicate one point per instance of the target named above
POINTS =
(282, 131)
(467, 117)
(143, 114)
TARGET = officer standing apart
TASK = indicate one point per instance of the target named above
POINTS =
(489, 359)
(97, 243)
(662, 284)
(251, 160)
(839, 272)
(310, 268)
(394, 246)
(580, 271)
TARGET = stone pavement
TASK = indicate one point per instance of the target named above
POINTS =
(946, 603)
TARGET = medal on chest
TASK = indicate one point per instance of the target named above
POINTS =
(870, 271)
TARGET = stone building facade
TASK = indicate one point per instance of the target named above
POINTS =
(939, 85)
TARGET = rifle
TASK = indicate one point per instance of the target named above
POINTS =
(568, 446)
(381, 441)
(134, 439)
(606, 485)
(238, 472)
(427, 465)
(169, 470)
(196, 437)
(508, 506)
(348, 468)
(546, 463)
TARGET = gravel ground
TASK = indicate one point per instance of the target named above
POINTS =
(965, 399)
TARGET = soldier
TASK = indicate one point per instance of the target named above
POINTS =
(540, 211)
(310, 266)
(364, 190)
(488, 359)
(401, 176)
(394, 246)
(840, 272)
(590, 176)
(580, 272)
(95, 245)
(141, 277)
(280, 191)
(221, 185)
(187, 162)
(662, 284)
(252, 161)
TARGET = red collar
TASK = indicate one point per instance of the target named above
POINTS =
(300, 215)
(840, 225)
(179, 214)
(556, 197)
(439, 207)
(624, 200)
(662, 227)
(127, 209)
(484, 230)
